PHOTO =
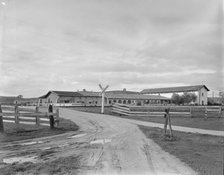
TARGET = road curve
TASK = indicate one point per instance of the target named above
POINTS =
(119, 147)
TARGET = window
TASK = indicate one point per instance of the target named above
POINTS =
(119, 101)
(202, 94)
(109, 101)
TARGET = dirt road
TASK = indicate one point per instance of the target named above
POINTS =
(108, 145)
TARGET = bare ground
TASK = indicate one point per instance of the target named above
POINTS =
(15, 132)
(203, 153)
(103, 145)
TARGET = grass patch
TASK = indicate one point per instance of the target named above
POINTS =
(15, 132)
(202, 152)
(210, 123)
(63, 165)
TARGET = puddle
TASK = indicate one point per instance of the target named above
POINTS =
(31, 143)
(100, 141)
(46, 148)
(63, 145)
(77, 136)
(22, 159)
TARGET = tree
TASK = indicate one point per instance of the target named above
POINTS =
(189, 97)
(175, 99)
(186, 98)
(221, 94)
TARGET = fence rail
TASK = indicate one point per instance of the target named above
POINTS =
(26, 116)
(179, 111)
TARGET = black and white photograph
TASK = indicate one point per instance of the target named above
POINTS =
(111, 87)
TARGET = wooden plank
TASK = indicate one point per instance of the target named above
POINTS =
(28, 114)
(7, 113)
(44, 117)
(135, 112)
(27, 120)
(146, 115)
(46, 122)
(6, 118)
(121, 110)
(121, 107)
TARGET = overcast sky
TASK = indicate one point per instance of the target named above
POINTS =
(134, 44)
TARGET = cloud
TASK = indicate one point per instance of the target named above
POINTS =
(138, 44)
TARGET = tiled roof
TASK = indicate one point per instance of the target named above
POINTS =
(109, 94)
(63, 94)
(122, 92)
(89, 93)
(67, 94)
(174, 89)
(135, 96)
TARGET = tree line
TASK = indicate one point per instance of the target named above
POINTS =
(186, 98)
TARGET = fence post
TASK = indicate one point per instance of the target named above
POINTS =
(206, 113)
(191, 112)
(16, 114)
(37, 117)
(51, 117)
(220, 112)
(57, 117)
(1, 120)
(167, 122)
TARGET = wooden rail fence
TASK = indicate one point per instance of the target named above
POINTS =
(179, 111)
(14, 115)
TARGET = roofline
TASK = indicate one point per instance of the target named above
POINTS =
(206, 87)
(47, 94)
(171, 87)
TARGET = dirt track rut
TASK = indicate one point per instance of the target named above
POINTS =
(108, 145)
(127, 150)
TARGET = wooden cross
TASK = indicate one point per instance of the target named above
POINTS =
(103, 95)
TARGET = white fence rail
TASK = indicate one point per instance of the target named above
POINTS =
(180, 111)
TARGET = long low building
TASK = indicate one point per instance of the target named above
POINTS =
(201, 92)
(90, 98)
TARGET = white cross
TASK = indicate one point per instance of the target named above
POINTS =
(103, 94)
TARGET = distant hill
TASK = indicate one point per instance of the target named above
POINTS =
(7, 99)
(10, 100)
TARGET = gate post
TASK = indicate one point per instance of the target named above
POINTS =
(37, 117)
(1, 120)
(16, 114)
(167, 122)
(51, 116)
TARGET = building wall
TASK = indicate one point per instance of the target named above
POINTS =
(202, 97)
(138, 102)
(88, 101)
(52, 98)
